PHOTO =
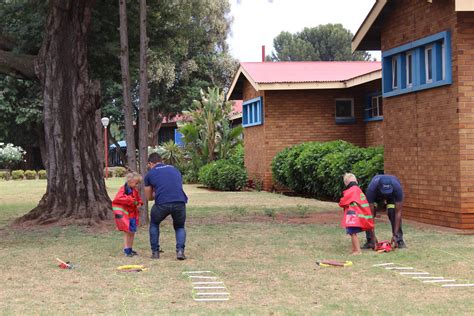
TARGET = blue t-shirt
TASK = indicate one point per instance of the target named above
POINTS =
(167, 183)
(373, 194)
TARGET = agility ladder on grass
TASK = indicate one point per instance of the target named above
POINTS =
(422, 276)
(207, 287)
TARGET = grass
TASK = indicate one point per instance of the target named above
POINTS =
(268, 266)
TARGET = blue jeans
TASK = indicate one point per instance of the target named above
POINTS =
(158, 214)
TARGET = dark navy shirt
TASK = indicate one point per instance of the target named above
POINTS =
(373, 194)
(167, 183)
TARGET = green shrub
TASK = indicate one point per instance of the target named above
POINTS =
(317, 168)
(223, 175)
(42, 174)
(110, 173)
(18, 174)
(237, 155)
(120, 172)
(4, 175)
(365, 170)
(30, 175)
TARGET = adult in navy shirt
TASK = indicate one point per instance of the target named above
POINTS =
(164, 184)
(385, 192)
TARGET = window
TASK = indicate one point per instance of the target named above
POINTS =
(374, 107)
(394, 72)
(429, 64)
(409, 69)
(422, 64)
(345, 111)
(252, 113)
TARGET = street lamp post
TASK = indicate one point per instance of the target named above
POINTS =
(105, 123)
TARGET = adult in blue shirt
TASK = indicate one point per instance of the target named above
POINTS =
(164, 184)
(385, 192)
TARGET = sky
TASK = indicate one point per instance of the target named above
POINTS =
(258, 22)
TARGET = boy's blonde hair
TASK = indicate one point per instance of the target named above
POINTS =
(349, 177)
(133, 175)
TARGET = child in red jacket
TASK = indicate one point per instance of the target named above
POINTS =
(357, 214)
(125, 206)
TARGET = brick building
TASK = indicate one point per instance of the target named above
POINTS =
(287, 103)
(428, 93)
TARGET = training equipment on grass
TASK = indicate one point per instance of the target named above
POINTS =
(207, 291)
(333, 263)
(439, 281)
(131, 268)
(424, 279)
(383, 264)
(383, 246)
(65, 265)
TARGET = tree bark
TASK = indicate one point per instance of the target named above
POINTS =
(143, 111)
(76, 190)
(155, 125)
(127, 100)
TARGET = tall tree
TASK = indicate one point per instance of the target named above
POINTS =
(76, 189)
(143, 109)
(127, 99)
(330, 42)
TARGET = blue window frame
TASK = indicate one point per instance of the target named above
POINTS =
(345, 111)
(178, 138)
(252, 112)
(373, 110)
(419, 65)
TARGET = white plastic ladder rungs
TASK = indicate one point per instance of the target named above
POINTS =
(208, 287)
(208, 283)
(217, 293)
(202, 277)
(210, 299)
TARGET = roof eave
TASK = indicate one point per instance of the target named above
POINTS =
(241, 71)
(361, 33)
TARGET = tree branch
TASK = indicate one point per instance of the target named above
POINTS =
(6, 43)
(20, 66)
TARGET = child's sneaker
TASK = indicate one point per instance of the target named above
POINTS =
(128, 252)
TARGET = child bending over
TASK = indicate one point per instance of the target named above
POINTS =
(125, 206)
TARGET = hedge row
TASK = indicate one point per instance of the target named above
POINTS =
(23, 174)
(41, 174)
(317, 168)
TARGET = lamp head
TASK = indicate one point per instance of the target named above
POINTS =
(105, 121)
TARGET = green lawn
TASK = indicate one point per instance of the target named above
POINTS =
(267, 264)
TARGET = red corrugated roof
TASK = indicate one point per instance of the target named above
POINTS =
(311, 71)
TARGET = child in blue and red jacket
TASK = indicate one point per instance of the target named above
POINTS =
(357, 214)
(126, 210)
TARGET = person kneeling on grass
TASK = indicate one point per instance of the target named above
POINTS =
(125, 206)
(357, 214)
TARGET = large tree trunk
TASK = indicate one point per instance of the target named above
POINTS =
(76, 190)
(155, 125)
(127, 100)
(143, 112)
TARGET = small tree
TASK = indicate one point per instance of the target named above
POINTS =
(10, 155)
(209, 136)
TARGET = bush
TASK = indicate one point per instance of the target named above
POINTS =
(223, 175)
(110, 174)
(4, 175)
(30, 175)
(18, 174)
(120, 172)
(10, 155)
(317, 168)
(42, 174)
(237, 155)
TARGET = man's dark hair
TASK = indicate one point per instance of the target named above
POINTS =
(154, 158)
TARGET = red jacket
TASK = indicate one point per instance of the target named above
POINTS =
(356, 209)
(128, 202)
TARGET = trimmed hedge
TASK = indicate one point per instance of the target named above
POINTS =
(120, 172)
(42, 174)
(317, 168)
(30, 175)
(4, 175)
(18, 174)
(223, 175)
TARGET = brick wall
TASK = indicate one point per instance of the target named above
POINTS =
(424, 145)
(295, 116)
